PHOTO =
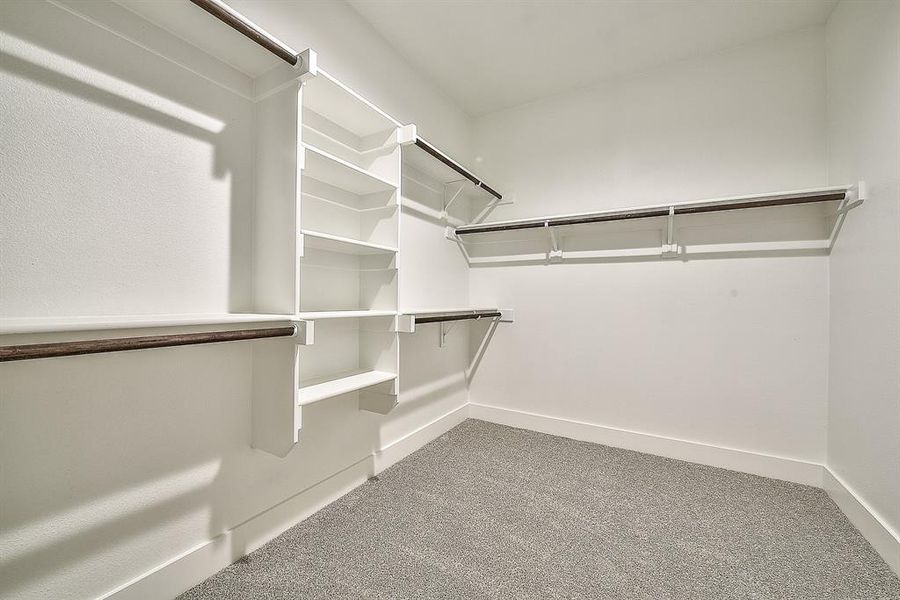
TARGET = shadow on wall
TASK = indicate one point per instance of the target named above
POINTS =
(113, 464)
(46, 45)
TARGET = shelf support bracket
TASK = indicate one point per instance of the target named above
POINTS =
(450, 234)
(853, 198)
(455, 195)
(670, 248)
(556, 253)
(494, 203)
(445, 329)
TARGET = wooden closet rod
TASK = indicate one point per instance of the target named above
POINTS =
(656, 211)
(243, 25)
(458, 317)
(51, 350)
(456, 167)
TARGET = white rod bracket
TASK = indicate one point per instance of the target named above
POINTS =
(406, 134)
(405, 324)
(307, 64)
(304, 334)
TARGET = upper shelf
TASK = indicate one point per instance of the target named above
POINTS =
(101, 323)
(774, 199)
(328, 97)
(339, 173)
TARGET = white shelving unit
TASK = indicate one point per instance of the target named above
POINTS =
(348, 237)
(326, 223)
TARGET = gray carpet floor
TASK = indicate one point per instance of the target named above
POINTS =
(488, 511)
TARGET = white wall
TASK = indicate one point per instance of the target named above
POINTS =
(864, 142)
(126, 188)
(730, 351)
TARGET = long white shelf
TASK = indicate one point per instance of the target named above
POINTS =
(105, 322)
(343, 314)
(344, 245)
(441, 311)
(342, 385)
(328, 168)
(766, 200)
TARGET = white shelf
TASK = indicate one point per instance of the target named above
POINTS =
(99, 323)
(343, 314)
(361, 154)
(325, 95)
(342, 385)
(661, 211)
(342, 174)
(336, 243)
(440, 311)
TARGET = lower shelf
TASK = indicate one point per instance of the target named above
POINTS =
(343, 385)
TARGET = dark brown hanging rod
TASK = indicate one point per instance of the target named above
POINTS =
(486, 314)
(456, 167)
(243, 25)
(664, 211)
(51, 350)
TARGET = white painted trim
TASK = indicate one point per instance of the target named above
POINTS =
(883, 538)
(766, 465)
(189, 568)
(406, 445)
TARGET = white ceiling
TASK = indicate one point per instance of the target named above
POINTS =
(492, 54)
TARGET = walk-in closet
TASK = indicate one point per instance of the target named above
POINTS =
(420, 300)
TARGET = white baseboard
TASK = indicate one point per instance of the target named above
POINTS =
(193, 566)
(884, 540)
(403, 447)
(766, 465)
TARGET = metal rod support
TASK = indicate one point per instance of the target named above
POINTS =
(488, 314)
(55, 349)
(245, 26)
(646, 213)
(456, 167)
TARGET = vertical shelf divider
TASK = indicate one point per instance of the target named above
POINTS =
(275, 412)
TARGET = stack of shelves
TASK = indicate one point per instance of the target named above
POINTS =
(349, 216)
(328, 225)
